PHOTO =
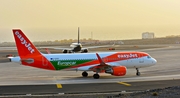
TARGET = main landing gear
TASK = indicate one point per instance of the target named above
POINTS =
(95, 76)
(138, 73)
(84, 74)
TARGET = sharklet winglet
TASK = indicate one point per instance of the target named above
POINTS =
(100, 60)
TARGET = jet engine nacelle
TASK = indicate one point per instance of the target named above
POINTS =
(84, 51)
(117, 71)
(65, 51)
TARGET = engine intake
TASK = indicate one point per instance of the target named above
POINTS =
(65, 51)
(84, 51)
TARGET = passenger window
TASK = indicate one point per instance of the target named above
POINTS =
(148, 56)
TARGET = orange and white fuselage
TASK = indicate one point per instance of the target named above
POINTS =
(114, 63)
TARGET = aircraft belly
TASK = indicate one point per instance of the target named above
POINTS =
(84, 68)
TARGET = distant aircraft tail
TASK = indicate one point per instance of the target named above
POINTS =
(28, 52)
(47, 50)
(78, 36)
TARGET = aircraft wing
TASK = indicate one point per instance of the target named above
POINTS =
(57, 48)
(98, 46)
(8, 48)
(102, 66)
(108, 68)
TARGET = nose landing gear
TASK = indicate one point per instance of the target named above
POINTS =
(138, 73)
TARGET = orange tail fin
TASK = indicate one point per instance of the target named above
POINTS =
(24, 45)
(28, 53)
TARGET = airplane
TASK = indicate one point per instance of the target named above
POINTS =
(114, 63)
(77, 47)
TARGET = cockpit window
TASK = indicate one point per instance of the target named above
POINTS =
(148, 56)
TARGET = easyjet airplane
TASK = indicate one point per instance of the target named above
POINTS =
(114, 63)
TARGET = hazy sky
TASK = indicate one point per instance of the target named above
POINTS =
(107, 19)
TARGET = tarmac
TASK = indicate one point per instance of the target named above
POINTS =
(16, 79)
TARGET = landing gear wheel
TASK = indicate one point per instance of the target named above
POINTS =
(138, 73)
(84, 74)
(96, 76)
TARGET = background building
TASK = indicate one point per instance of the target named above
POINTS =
(147, 35)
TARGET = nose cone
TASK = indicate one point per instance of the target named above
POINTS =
(154, 61)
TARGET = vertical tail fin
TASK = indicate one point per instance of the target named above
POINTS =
(24, 45)
(78, 36)
(47, 50)
(28, 53)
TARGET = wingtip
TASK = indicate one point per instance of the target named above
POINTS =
(100, 60)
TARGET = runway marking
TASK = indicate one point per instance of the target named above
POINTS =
(59, 85)
(123, 83)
